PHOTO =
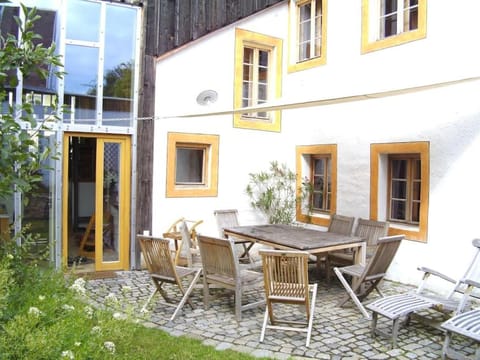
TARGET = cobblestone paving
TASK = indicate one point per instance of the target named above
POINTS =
(338, 333)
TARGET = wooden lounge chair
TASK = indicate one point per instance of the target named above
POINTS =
(370, 275)
(396, 307)
(286, 282)
(371, 230)
(221, 268)
(160, 265)
(465, 324)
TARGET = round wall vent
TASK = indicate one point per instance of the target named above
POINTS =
(207, 97)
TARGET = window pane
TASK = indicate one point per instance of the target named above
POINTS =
(399, 189)
(80, 13)
(111, 181)
(189, 166)
(410, 16)
(399, 169)
(119, 64)
(318, 201)
(398, 210)
(416, 212)
(304, 34)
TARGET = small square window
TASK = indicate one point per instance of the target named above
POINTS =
(192, 165)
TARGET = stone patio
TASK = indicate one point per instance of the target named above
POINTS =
(338, 333)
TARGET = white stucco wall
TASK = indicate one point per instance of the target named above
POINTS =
(447, 117)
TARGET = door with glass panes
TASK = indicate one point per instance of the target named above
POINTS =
(96, 201)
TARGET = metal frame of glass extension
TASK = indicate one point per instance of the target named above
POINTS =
(92, 105)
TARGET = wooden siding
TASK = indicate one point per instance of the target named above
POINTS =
(172, 23)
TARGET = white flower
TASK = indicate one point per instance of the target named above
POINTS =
(10, 256)
(89, 311)
(126, 289)
(68, 354)
(111, 299)
(77, 343)
(110, 346)
(34, 311)
(96, 330)
(68, 307)
(119, 316)
(79, 286)
(41, 297)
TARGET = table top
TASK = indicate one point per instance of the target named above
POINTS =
(294, 237)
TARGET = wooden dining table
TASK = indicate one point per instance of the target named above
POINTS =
(291, 237)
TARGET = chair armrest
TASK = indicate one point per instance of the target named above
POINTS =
(429, 271)
(472, 283)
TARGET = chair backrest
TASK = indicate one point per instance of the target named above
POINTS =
(225, 218)
(218, 258)
(372, 230)
(341, 224)
(472, 273)
(157, 255)
(285, 275)
(382, 258)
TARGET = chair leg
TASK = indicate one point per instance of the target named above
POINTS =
(312, 310)
(238, 304)
(206, 293)
(373, 327)
(187, 294)
(264, 326)
(352, 294)
(148, 300)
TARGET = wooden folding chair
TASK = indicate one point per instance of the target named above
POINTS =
(286, 282)
(221, 268)
(370, 275)
(229, 218)
(159, 261)
(371, 230)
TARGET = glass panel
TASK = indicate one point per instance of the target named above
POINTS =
(83, 20)
(318, 28)
(398, 210)
(417, 169)
(111, 181)
(416, 212)
(81, 65)
(388, 18)
(190, 165)
(38, 213)
(416, 191)
(399, 189)
(410, 17)
(399, 169)
(304, 26)
(119, 65)
(317, 201)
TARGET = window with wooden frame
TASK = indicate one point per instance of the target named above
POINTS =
(399, 187)
(192, 165)
(307, 34)
(258, 78)
(387, 23)
(404, 190)
(316, 167)
(321, 182)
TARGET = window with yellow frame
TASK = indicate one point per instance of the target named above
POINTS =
(192, 165)
(316, 167)
(387, 23)
(399, 187)
(258, 79)
(307, 34)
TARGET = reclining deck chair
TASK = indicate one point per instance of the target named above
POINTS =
(466, 324)
(286, 282)
(370, 275)
(221, 268)
(160, 265)
(396, 307)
